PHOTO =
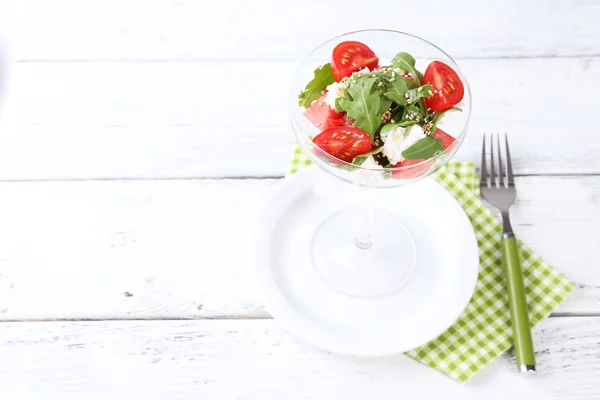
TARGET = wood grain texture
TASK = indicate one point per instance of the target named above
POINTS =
(152, 120)
(281, 30)
(256, 360)
(175, 249)
(142, 90)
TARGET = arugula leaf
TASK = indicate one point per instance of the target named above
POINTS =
(358, 160)
(423, 149)
(398, 118)
(397, 111)
(363, 103)
(412, 113)
(336, 105)
(397, 89)
(422, 92)
(312, 91)
(402, 94)
(439, 117)
(406, 62)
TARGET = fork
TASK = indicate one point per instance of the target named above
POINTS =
(498, 188)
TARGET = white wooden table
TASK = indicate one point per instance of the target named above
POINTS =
(142, 138)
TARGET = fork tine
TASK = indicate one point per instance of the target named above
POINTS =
(501, 173)
(492, 168)
(484, 174)
(509, 170)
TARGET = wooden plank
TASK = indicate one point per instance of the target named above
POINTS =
(148, 120)
(256, 360)
(266, 29)
(163, 249)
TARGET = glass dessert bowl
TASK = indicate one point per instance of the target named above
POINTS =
(371, 118)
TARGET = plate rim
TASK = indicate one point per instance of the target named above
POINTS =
(291, 319)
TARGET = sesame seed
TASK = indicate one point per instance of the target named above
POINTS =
(393, 120)
(318, 124)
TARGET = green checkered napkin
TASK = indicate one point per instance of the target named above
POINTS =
(483, 332)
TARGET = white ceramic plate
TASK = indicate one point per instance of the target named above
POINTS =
(439, 289)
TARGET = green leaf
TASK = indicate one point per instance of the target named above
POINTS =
(412, 113)
(336, 105)
(312, 91)
(397, 89)
(419, 93)
(406, 62)
(400, 92)
(398, 118)
(407, 123)
(397, 112)
(358, 160)
(423, 149)
(439, 117)
(363, 103)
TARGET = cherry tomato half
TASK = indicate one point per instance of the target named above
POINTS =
(448, 86)
(349, 57)
(344, 142)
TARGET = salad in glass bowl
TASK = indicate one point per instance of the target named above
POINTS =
(379, 109)
(365, 110)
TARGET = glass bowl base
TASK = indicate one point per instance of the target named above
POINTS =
(377, 271)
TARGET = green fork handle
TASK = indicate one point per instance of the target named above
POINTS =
(518, 305)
